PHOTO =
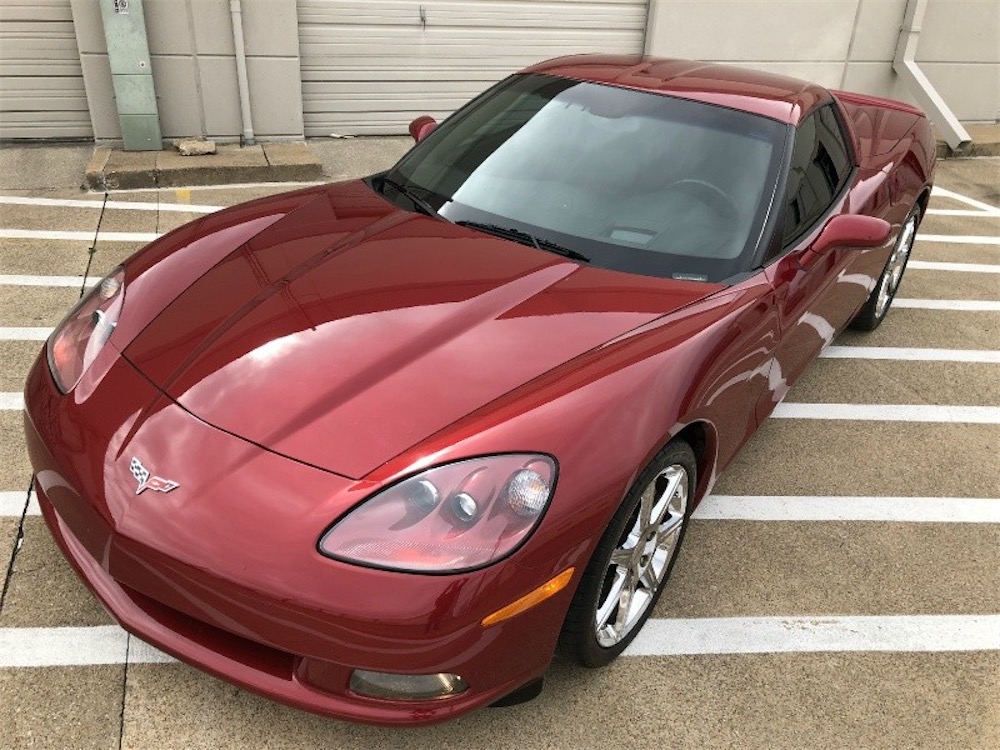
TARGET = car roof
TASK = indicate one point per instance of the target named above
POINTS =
(778, 97)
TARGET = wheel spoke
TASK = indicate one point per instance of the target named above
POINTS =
(670, 496)
(901, 254)
(678, 498)
(666, 537)
(669, 529)
(899, 258)
(646, 507)
(883, 295)
(622, 557)
(625, 603)
(650, 578)
(610, 603)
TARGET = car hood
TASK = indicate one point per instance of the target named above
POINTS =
(348, 330)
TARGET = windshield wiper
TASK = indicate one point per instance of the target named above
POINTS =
(422, 205)
(525, 238)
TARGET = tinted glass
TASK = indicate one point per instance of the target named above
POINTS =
(820, 165)
(638, 182)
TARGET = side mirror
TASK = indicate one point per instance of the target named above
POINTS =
(852, 230)
(422, 126)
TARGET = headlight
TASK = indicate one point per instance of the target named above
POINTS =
(451, 518)
(74, 344)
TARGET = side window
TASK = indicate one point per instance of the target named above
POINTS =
(820, 165)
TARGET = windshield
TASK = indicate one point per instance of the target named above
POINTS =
(628, 180)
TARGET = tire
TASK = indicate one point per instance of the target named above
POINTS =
(596, 629)
(873, 313)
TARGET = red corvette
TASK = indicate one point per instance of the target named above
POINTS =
(377, 449)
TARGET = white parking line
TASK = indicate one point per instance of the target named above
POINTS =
(12, 505)
(986, 356)
(960, 239)
(11, 401)
(53, 281)
(764, 635)
(932, 265)
(109, 644)
(890, 412)
(964, 305)
(51, 234)
(24, 334)
(983, 207)
(816, 508)
(969, 212)
(80, 646)
(115, 205)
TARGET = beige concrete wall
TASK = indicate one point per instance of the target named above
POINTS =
(194, 68)
(842, 43)
(838, 43)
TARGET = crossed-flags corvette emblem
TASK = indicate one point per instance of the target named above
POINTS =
(147, 482)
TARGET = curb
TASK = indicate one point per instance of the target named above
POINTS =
(114, 169)
(985, 142)
(976, 148)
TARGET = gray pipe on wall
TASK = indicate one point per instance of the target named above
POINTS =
(236, 10)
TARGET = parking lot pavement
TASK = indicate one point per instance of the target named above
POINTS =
(61, 707)
(840, 588)
(39, 567)
(43, 167)
(840, 381)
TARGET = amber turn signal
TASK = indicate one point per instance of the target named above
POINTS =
(543, 592)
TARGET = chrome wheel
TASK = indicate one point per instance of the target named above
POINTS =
(639, 563)
(893, 273)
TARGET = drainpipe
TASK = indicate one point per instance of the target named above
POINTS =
(236, 9)
(922, 89)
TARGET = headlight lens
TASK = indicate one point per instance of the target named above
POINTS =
(450, 518)
(74, 344)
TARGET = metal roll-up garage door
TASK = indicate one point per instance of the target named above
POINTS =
(41, 82)
(371, 67)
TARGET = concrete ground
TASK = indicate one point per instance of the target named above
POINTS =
(883, 696)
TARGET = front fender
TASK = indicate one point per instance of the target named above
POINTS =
(605, 414)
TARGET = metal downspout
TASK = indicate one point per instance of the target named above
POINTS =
(236, 9)
(922, 89)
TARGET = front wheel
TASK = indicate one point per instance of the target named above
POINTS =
(633, 560)
(873, 313)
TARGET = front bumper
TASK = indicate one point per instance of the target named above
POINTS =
(231, 582)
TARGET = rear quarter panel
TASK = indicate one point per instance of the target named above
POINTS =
(895, 151)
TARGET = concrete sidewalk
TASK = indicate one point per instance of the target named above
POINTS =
(114, 169)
